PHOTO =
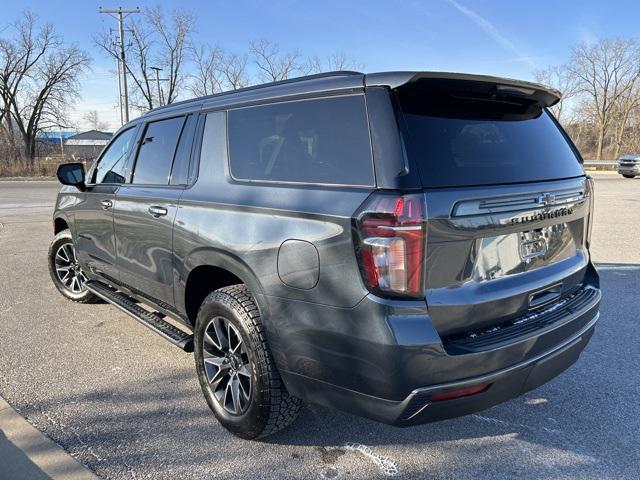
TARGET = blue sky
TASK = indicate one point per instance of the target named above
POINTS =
(510, 38)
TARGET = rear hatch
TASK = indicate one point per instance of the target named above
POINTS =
(507, 201)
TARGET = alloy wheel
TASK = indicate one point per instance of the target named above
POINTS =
(68, 269)
(227, 365)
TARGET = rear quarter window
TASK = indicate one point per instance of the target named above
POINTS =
(323, 141)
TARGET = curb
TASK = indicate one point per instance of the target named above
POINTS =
(25, 453)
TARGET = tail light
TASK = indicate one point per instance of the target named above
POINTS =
(590, 187)
(463, 392)
(390, 236)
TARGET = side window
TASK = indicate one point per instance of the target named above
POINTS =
(180, 169)
(156, 152)
(310, 141)
(113, 164)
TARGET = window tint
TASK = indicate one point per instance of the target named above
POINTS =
(113, 165)
(311, 141)
(466, 144)
(180, 169)
(157, 149)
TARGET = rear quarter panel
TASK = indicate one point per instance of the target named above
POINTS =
(240, 226)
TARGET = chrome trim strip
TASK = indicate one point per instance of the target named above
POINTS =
(527, 201)
(407, 228)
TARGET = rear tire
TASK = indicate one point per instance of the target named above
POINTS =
(231, 353)
(628, 176)
(65, 271)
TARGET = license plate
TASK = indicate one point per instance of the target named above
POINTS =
(533, 244)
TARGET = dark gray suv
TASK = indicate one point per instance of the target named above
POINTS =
(406, 246)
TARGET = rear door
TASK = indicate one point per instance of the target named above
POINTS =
(146, 207)
(508, 206)
(93, 219)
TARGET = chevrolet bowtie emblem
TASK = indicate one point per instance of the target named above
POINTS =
(547, 199)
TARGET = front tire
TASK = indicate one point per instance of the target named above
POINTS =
(628, 176)
(235, 367)
(65, 271)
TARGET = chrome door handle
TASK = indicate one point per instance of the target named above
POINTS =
(157, 211)
(106, 204)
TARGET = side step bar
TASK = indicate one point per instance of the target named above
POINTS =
(150, 320)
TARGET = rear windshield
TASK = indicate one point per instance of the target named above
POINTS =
(466, 142)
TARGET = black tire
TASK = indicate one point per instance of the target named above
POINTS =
(268, 408)
(628, 176)
(76, 292)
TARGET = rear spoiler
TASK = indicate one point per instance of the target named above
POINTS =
(466, 83)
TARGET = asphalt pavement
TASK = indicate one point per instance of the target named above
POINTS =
(127, 404)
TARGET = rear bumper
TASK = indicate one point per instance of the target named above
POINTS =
(503, 385)
(417, 408)
(384, 361)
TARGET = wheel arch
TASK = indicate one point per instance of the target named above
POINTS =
(206, 270)
(60, 223)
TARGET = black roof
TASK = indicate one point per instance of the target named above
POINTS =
(349, 80)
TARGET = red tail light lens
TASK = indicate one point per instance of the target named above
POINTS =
(390, 236)
(463, 392)
(589, 226)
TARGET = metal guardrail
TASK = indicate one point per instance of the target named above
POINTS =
(600, 164)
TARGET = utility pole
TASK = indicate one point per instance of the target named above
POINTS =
(120, 94)
(158, 70)
(122, 13)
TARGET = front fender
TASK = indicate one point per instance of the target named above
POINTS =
(67, 200)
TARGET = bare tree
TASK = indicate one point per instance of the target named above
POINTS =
(208, 77)
(173, 34)
(138, 63)
(39, 77)
(631, 138)
(628, 104)
(92, 118)
(234, 70)
(156, 40)
(563, 79)
(337, 61)
(606, 72)
(272, 64)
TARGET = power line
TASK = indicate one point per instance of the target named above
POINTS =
(120, 14)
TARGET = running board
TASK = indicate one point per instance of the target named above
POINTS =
(150, 320)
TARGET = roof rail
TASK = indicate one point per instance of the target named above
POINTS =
(256, 87)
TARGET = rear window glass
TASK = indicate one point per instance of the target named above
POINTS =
(471, 144)
(310, 141)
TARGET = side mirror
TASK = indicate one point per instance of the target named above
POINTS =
(72, 174)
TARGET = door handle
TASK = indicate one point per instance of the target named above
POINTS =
(157, 211)
(106, 204)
